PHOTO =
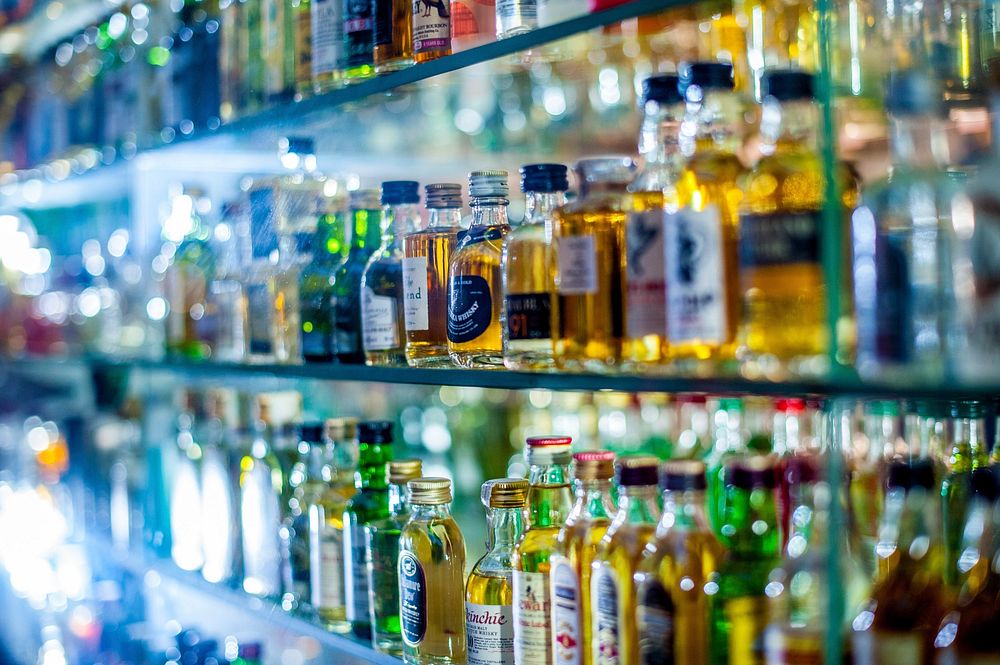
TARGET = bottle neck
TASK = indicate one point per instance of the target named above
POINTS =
(506, 526)
(637, 504)
(366, 232)
(444, 218)
(750, 522)
(489, 211)
(712, 124)
(969, 432)
(918, 142)
(398, 501)
(788, 126)
(593, 499)
(549, 498)
(540, 207)
(659, 137)
(371, 473)
(425, 512)
(685, 509)
(918, 540)
(398, 221)
(807, 524)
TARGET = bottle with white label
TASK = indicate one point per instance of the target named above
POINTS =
(489, 597)
(382, 296)
(589, 249)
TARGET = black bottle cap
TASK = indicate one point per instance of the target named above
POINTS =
(681, 475)
(788, 85)
(544, 178)
(250, 651)
(910, 92)
(752, 472)
(707, 76)
(909, 475)
(662, 88)
(396, 192)
(300, 145)
(310, 432)
(375, 431)
(985, 483)
(637, 470)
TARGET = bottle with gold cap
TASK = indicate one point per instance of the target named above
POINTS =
(577, 542)
(489, 594)
(612, 614)
(431, 577)
(383, 555)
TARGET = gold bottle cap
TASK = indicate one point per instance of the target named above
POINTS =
(429, 491)
(594, 465)
(403, 470)
(340, 429)
(505, 493)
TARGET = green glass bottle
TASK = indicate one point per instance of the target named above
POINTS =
(728, 444)
(968, 453)
(366, 234)
(316, 279)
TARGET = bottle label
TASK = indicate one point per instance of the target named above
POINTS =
(383, 22)
(774, 240)
(327, 36)
(470, 308)
(356, 573)
(792, 647)
(576, 265)
(303, 46)
(529, 316)
(747, 617)
(330, 590)
(532, 618)
(358, 28)
(646, 279)
(412, 599)
(885, 648)
(693, 247)
(566, 637)
(655, 624)
(604, 592)
(489, 630)
(431, 26)
(378, 322)
(525, 9)
(415, 290)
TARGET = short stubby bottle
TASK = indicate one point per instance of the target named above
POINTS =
(365, 216)
(589, 243)
(431, 25)
(359, 40)
(393, 36)
(382, 297)
(529, 272)
(475, 297)
(515, 17)
(431, 577)
(489, 593)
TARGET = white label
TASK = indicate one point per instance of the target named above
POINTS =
(489, 630)
(327, 36)
(566, 636)
(697, 296)
(532, 619)
(415, 290)
(885, 648)
(431, 27)
(646, 279)
(378, 321)
(604, 599)
(331, 589)
(577, 269)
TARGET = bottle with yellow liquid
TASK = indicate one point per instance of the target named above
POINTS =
(489, 593)
(549, 502)
(614, 638)
(576, 548)
(677, 569)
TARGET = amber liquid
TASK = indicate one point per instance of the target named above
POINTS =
(284, 292)
(489, 589)
(429, 348)
(528, 270)
(652, 348)
(326, 533)
(580, 541)
(398, 53)
(481, 258)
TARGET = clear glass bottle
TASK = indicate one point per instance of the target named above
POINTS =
(219, 525)
(653, 191)
(431, 25)
(549, 503)
(515, 17)
(529, 271)
(393, 36)
(327, 36)
(867, 487)
(383, 556)
(329, 245)
(308, 477)
(967, 454)
(614, 638)
(382, 295)
(259, 259)
(489, 594)
(475, 297)
(576, 548)
(303, 47)
(359, 40)
(589, 249)
(261, 484)
(226, 302)
(426, 266)
(365, 216)
(188, 275)
(431, 577)
(185, 489)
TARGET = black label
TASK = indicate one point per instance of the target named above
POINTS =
(769, 240)
(358, 32)
(529, 316)
(470, 308)
(383, 22)
(655, 619)
(412, 599)
(894, 312)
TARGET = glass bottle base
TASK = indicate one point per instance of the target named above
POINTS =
(773, 368)
(440, 358)
(358, 73)
(334, 622)
(426, 659)
(362, 630)
(477, 360)
(529, 362)
(389, 644)
(393, 65)
(385, 358)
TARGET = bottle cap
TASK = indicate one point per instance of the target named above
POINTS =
(910, 92)
(909, 475)
(310, 432)
(488, 183)
(752, 472)
(662, 89)
(985, 483)
(341, 429)
(397, 192)
(505, 493)
(594, 465)
(790, 405)
(544, 178)
(637, 470)
(705, 76)
(364, 199)
(443, 195)
(375, 431)
(788, 85)
(966, 409)
(403, 470)
(300, 145)
(613, 169)
(547, 449)
(429, 491)
(681, 475)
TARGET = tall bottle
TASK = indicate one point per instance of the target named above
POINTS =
(370, 504)
(529, 270)
(383, 555)
(589, 255)
(261, 485)
(308, 477)
(967, 454)
(431, 577)
(327, 35)
(672, 598)
(219, 526)
(867, 485)
(653, 190)
(729, 443)
(393, 36)
(226, 299)
(489, 593)
(549, 503)
(475, 298)
(365, 217)
(382, 293)
(316, 281)
(431, 31)
(188, 275)
(426, 264)
(614, 637)
(359, 40)
(185, 489)
(576, 548)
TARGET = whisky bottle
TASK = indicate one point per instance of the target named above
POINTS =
(529, 272)
(366, 218)
(302, 10)
(431, 30)
(277, 27)
(866, 493)
(674, 577)
(359, 44)
(652, 191)
(382, 297)
(316, 280)
(326, 526)
(383, 555)
(489, 594)
(614, 638)
(308, 478)
(549, 502)
(393, 35)
(968, 453)
(327, 36)
(370, 504)
(431, 578)
(425, 277)
(576, 547)
(475, 298)
(728, 443)
(701, 237)
(589, 242)
(188, 276)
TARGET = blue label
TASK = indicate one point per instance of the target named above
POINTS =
(412, 599)
(470, 308)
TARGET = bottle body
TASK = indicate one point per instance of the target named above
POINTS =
(425, 275)
(347, 331)
(431, 29)
(393, 36)
(382, 309)
(326, 551)
(327, 35)
(474, 299)
(359, 40)
(515, 17)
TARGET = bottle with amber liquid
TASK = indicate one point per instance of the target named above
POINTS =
(393, 36)
(576, 547)
(489, 592)
(967, 454)
(431, 30)
(589, 243)
(672, 600)
(426, 264)
(614, 638)
(431, 578)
